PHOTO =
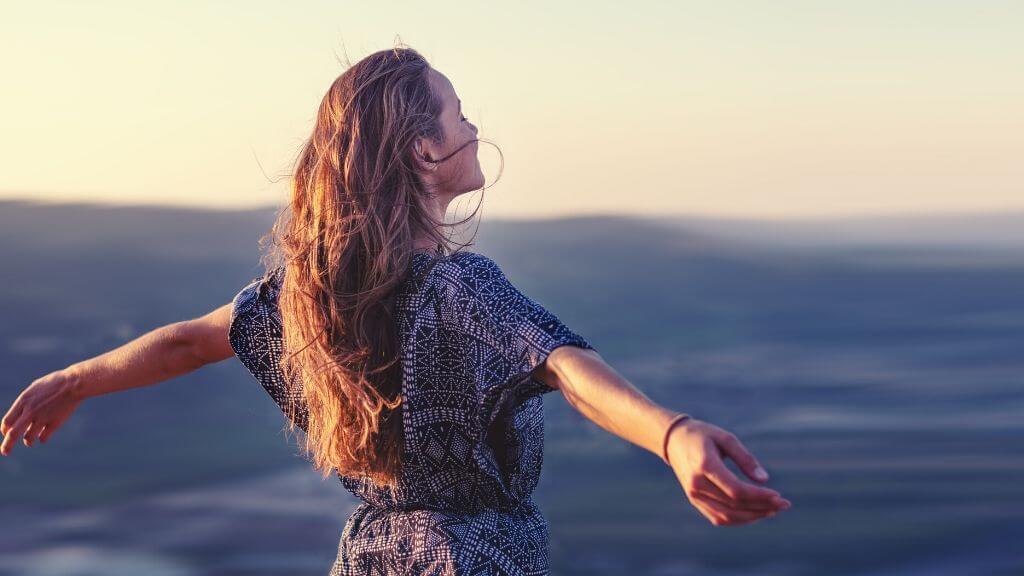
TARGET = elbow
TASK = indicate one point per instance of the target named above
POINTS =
(563, 368)
(205, 339)
(182, 348)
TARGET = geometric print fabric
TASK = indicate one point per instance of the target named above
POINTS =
(472, 415)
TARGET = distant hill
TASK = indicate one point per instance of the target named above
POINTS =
(73, 223)
(649, 292)
(860, 359)
(991, 230)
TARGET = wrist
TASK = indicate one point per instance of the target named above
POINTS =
(75, 381)
(679, 420)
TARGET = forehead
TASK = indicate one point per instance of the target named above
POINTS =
(443, 87)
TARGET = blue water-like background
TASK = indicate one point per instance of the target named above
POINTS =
(874, 365)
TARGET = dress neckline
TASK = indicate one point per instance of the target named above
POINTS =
(427, 253)
(433, 254)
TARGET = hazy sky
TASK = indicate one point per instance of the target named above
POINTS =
(718, 107)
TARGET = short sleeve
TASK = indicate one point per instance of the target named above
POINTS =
(514, 333)
(255, 336)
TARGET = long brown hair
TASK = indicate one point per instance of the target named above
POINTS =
(346, 243)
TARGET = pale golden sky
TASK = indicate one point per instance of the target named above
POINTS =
(764, 109)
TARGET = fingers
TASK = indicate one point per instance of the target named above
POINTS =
(719, 494)
(721, 515)
(12, 414)
(28, 434)
(48, 431)
(707, 490)
(32, 434)
(14, 433)
(732, 486)
(742, 457)
(41, 432)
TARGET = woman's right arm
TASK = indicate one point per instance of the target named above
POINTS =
(161, 354)
(695, 447)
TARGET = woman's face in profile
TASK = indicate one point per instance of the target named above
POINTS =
(458, 172)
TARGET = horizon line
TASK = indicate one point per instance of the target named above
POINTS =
(881, 215)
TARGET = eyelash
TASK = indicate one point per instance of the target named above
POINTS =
(464, 118)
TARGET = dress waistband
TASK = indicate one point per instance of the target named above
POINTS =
(524, 507)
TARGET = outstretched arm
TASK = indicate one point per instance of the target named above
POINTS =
(161, 354)
(695, 447)
(158, 355)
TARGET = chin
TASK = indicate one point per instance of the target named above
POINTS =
(471, 186)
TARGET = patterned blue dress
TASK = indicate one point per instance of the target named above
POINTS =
(473, 421)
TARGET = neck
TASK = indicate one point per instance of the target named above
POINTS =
(424, 243)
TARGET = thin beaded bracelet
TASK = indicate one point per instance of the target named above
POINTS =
(664, 444)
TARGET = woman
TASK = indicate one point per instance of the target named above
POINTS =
(415, 372)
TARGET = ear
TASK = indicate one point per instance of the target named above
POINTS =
(423, 154)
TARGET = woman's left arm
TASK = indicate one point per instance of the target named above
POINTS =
(605, 397)
(160, 354)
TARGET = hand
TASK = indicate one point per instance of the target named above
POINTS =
(695, 449)
(39, 410)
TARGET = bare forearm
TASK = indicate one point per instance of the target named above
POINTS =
(606, 398)
(158, 355)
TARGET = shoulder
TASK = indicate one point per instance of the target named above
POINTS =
(470, 272)
(474, 262)
(263, 289)
(462, 261)
(456, 266)
(255, 324)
